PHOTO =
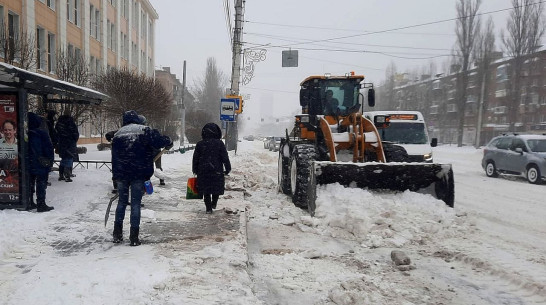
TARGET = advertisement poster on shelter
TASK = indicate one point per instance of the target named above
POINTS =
(9, 156)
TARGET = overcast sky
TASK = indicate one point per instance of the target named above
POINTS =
(196, 30)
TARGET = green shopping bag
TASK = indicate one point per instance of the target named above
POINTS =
(192, 192)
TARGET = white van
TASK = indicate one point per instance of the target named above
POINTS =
(407, 129)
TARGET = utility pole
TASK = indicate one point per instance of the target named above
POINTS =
(183, 106)
(480, 110)
(231, 127)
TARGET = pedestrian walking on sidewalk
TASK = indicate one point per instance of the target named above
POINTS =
(210, 164)
(40, 147)
(67, 135)
(132, 165)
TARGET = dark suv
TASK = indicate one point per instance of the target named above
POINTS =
(523, 155)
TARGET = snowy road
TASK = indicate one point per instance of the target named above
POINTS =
(489, 250)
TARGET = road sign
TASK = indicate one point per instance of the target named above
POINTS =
(238, 103)
(227, 109)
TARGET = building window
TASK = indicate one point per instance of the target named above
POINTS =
(92, 28)
(40, 49)
(51, 4)
(143, 25)
(92, 65)
(451, 108)
(113, 37)
(150, 33)
(108, 34)
(73, 11)
(13, 33)
(97, 24)
(70, 50)
(135, 15)
(51, 52)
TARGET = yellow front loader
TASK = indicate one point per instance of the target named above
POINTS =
(332, 142)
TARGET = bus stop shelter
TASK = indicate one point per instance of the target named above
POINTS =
(15, 86)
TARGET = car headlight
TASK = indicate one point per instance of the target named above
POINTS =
(427, 157)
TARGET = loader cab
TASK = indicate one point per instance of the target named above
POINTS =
(335, 96)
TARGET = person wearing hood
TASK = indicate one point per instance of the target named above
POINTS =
(132, 165)
(210, 164)
(40, 147)
(68, 135)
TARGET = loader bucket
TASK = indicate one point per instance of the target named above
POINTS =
(430, 178)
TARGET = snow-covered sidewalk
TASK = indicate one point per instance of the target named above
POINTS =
(67, 257)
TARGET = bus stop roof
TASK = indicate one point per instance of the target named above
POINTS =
(55, 90)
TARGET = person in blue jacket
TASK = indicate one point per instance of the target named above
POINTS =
(39, 146)
(210, 163)
(132, 165)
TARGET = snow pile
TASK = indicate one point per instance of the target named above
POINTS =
(382, 219)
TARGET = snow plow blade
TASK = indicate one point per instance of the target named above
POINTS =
(430, 178)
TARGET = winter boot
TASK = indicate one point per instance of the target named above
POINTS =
(161, 182)
(61, 172)
(118, 232)
(31, 205)
(133, 237)
(67, 174)
(43, 207)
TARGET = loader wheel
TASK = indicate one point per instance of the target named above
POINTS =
(300, 170)
(445, 189)
(284, 170)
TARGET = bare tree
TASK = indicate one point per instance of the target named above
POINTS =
(130, 90)
(467, 29)
(386, 93)
(209, 90)
(73, 68)
(525, 28)
(17, 47)
(483, 54)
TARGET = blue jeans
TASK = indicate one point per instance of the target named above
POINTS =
(40, 183)
(67, 162)
(137, 190)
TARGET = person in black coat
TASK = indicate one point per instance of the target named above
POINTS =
(210, 164)
(68, 136)
(51, 127)
(40, 146)
(132, 165)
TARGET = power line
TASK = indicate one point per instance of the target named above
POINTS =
(338, 29)
(390, 54)
(227, 11)
(407, 27)
(283, 38)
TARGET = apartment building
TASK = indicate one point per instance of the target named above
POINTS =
(174, 87)
(107, 33)
(437, 98)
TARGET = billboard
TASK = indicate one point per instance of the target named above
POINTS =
(9, 150)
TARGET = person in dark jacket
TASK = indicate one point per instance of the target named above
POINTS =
(68, 136)
(51, 127)
(210, 164)
(132, 165)
(40, 146)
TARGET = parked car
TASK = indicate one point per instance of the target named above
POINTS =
(522, 155)
(267, 140)
(274, 143)
(248, 138)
